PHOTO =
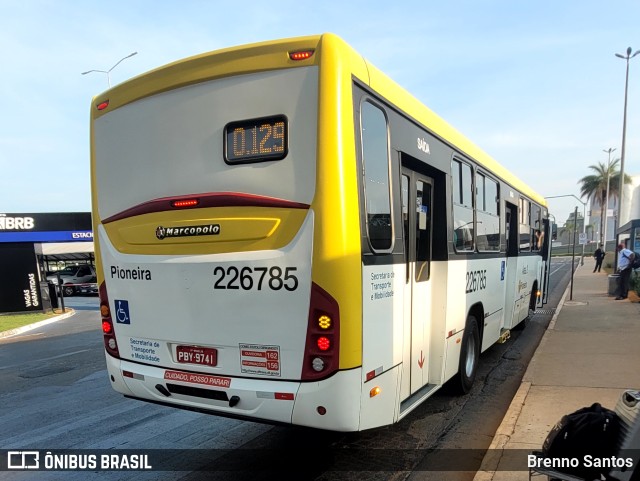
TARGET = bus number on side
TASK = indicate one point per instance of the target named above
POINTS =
(246, 278)
(476, 280)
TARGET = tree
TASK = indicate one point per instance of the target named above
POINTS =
(594, 187)
(571, 225)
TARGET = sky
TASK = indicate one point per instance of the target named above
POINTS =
(535, 84)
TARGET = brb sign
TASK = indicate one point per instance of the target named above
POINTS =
(20, 288)
(55, 227)
(16, 223)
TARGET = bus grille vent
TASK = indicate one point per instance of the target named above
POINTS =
(197, 392)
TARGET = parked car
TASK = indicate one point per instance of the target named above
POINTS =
(90, 288)
(70, 276)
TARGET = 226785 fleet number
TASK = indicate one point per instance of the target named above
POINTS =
(247, 278)
(476, 280)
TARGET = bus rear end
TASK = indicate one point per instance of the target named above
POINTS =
(204, 175)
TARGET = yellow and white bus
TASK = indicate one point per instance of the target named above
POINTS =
(285, 235)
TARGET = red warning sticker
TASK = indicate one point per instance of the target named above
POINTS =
(206, 379)
(258, 359)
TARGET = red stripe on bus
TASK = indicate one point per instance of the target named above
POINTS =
(219, 199)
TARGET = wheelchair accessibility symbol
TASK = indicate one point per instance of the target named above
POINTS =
(122, 312)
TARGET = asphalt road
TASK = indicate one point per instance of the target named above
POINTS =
(55, 394)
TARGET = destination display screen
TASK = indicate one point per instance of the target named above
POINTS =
(256, 140)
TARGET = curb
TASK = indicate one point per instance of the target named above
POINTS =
(35, 325)
(491, 460)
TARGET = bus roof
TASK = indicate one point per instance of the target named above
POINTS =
(406, 102)
(265, 55)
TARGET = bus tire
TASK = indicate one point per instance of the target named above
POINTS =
(469, 357)
(533, 299)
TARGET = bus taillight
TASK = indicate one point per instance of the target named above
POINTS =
(323, 334)
(185, 203)
(109, 335)
(301, 54)
(324, 344)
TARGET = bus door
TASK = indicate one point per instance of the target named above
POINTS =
(417, 198)
(546, 258)
(509, 269)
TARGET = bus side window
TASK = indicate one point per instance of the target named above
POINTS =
(524, 227)
(488, 220)
(462, 189)
(537, 232)
(375, 153)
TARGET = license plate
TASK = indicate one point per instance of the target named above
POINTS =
(204, 356)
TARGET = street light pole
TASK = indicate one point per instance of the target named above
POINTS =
(627, 57)
(606, 207)
(573, 256)
(108, 72)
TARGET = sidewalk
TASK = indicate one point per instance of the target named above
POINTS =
(588, 354)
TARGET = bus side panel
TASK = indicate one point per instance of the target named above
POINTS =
(380, 409)
(382, 305)
(524, 275)
(471, 282)
(382, 341)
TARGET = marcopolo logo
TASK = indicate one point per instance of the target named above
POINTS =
(194, 230)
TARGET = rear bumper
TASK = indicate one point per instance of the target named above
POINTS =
(273, 401)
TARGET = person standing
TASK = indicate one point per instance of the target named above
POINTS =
(599, 257)
(625, 261)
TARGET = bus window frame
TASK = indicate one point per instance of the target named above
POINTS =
(496, 201)
(524, 221)
(378, 105)
(454, 203)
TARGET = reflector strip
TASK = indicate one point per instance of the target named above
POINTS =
(282, 396)
(371, 374)
(285, 396)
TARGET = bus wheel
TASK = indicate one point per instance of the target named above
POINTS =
(532, 300)
(469, 357)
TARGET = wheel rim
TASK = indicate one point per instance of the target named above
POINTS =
(470, 361)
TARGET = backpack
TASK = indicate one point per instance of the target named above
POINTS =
(636, 261)
(593, 431)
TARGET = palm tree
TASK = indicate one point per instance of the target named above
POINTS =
(594, 187)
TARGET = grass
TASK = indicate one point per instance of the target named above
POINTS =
(12, 321)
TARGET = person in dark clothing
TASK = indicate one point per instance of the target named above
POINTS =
(599, 257)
